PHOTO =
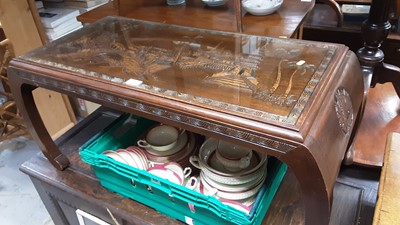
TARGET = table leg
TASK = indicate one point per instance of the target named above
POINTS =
(317, 194)
(22, 94)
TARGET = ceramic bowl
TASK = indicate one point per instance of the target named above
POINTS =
(214, 3)
(161, 138)
(212, 168)
(261, 7)
(232, 151)
(179, 145)
(189, 147)
(175, 2)
(233, 157)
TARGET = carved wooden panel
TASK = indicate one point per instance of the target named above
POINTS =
(255, 77)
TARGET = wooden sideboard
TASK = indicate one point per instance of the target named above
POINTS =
(286, 22)
(295, 100)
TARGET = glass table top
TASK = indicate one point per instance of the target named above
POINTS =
(256, 77)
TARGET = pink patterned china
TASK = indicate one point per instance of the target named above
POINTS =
(235, 195)
(130, 159)
(192, 183)
(114, 155)
(184, 173)
(181, 175)
(139, 156)
(243, 205)
(166, 174)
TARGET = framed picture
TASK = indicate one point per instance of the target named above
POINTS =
(85, 218)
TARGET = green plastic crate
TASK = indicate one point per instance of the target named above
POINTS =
(166, 197)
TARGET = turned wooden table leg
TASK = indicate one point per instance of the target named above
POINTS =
(374, 31)
(22, 93)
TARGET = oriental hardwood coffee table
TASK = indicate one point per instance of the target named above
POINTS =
(295, 100)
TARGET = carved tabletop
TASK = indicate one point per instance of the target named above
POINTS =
(292, 99)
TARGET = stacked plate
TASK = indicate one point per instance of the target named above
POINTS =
(185, 147)
(240, 186)
(131, 156)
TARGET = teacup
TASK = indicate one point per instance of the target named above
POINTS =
(192, 183)
(166, 174)
(233, 157)
(161, 138)
(232, 151)
(184, 173)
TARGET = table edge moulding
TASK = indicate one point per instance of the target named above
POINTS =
(309, 129)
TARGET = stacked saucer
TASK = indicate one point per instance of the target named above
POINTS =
(160, 146)
(239, 179)
(130, 156)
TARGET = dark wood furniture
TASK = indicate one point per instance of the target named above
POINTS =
(63, 192)
(292, 99)
(286, 22)
(380, 116)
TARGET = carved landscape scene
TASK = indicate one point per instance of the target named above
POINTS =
(257, 76)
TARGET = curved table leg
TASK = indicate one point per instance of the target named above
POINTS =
(23, 96)
(317, 194)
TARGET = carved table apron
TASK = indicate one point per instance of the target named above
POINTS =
(295, 100)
